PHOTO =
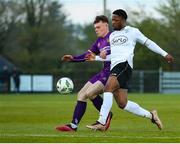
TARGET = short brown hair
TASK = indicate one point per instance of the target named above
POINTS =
(102, 18)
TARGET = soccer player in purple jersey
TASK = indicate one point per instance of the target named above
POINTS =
(95, 85)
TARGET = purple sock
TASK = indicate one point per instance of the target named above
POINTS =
(79, 111)
(97, 102)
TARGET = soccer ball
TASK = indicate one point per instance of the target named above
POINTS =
(65, 85)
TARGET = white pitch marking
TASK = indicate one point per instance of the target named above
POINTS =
(105, 136)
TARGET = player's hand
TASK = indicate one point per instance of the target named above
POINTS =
(90, 57)
(169, 58)
(67, 58)
(103, 54)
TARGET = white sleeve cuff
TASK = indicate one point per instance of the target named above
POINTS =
(98, 58)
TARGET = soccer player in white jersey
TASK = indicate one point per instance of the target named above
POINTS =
(122, 44)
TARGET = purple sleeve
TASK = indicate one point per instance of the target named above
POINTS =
(108, 51)
(80, 58)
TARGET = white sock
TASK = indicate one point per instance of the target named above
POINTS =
(134, 108)
(106, 107)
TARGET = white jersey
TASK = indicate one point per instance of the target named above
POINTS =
(122, 43)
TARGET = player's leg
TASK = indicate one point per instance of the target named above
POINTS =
(132, 107)
(121, 96)
(91, 91)
(98, 81)
(79, 110)
(97, 101)
(88, 91)
(93, 94)
(111, 85)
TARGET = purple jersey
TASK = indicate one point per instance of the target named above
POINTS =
(96, 48)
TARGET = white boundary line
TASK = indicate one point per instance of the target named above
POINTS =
(105, 136)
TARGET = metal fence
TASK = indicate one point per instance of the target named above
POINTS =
(144, 81)
(169, 82)
(155, 81)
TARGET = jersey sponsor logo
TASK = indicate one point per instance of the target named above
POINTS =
(119, 40)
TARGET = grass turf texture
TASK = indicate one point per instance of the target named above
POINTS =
(33, 117)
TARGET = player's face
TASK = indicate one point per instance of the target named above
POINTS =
(101, 28)
(117, 22)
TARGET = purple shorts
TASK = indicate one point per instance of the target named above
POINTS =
(102, 77)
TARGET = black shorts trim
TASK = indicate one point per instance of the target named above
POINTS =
(123, 72)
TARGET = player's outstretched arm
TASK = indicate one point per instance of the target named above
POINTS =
(155, 48)
(79, 58)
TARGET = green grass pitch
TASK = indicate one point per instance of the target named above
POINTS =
(33, 117)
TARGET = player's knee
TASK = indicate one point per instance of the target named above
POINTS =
(79, 94)
(82, 96)
(122, 105)
(89, 94)
(108, 88)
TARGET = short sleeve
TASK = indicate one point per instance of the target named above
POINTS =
(140, 37)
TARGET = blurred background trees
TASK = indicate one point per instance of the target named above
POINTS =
(165, 33)
(34, 34)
